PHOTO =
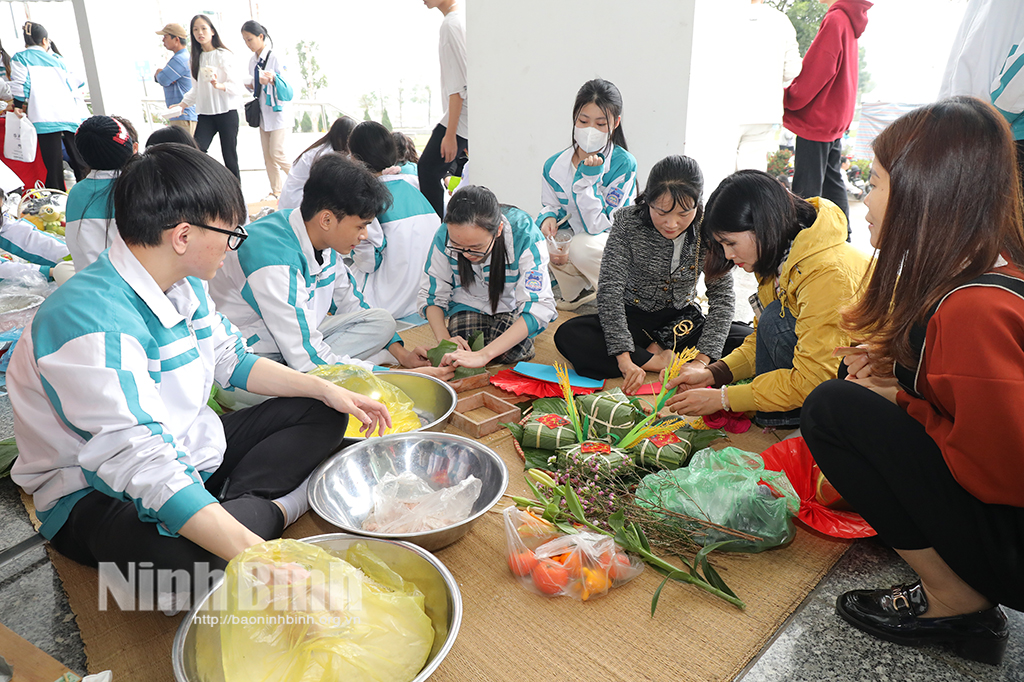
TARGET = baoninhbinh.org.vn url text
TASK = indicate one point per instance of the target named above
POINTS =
(322, 620)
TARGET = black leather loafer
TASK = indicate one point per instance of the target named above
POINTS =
(893, 615)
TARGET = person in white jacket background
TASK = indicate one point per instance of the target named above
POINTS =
(583, 186)
(388, 264)
(267, 81)
(51, 95)
(336, 140)
(772, 60)
(217, 91)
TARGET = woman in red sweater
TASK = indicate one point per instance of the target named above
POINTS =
(925, 438)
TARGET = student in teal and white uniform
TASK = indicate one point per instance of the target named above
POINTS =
(125, 461)
(272, 90)
(105, 144)
(288, 290)
(336, 140)
(51, 95)
(387, 266)
(487, 270)
(408, 157)
(583, 186)
(22, 239)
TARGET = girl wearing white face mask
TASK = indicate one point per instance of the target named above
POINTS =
(582, 188)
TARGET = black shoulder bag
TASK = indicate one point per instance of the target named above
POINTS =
(252, 107)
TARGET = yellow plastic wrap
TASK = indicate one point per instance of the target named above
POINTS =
(360, 621)
(359, 380)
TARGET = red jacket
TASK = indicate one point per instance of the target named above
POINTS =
(819, 102)
(972, 379)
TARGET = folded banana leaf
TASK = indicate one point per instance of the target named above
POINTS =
(610, 413)
(437, 353)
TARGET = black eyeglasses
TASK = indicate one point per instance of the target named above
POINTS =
(235, 236)
(469, 252)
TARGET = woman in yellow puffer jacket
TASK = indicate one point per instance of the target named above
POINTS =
(807, 273)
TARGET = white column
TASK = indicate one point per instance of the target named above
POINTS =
(673, 61)
(109, 66)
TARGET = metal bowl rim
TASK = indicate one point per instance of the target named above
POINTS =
(419, 435)
(454, 594)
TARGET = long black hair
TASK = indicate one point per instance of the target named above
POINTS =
(34, 34)
(257, 29)
(6, 60)
(337, 136)
(753, 201)
(476, 205)
(195, 48)
(679, 177)
(608, 99)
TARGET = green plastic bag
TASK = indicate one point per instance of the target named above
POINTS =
(730, 488)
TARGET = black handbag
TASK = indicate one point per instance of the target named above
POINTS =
(252, 113)
(252, 107)
(682, 332)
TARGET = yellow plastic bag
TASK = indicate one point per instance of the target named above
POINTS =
(359, 380)
(353, 619)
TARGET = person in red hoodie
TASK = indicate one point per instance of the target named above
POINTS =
(819, 102)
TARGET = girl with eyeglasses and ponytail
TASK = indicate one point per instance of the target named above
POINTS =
(51, 95)
(583, 186)
(487, 270)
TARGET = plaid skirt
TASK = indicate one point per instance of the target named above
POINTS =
(466, 323)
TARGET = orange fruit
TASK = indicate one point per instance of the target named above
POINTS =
(522, 563)
(573, 562)
(616, 564)
(550, 577)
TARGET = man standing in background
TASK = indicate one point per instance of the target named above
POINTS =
(450, 140)
(819, 103)
(773, 58)
(176, 76)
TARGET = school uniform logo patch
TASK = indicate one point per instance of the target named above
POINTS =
(614, 197)
(534, 281)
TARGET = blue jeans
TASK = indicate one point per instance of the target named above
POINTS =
(776, 341)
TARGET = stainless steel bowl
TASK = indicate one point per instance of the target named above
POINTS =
(442, 603)
(433, 400)
(341, 489)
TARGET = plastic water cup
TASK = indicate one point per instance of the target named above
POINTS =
(559, 244)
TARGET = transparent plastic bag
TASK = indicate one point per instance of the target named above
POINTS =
(583, 565)
(315, 629)
(407, 504)
(20, 298)
(359, 380)
(730, 488)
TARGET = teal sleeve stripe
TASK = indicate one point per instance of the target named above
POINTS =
(326, 281)
(54, 518)
(11, 247)
(331, 311)
(533, 327)
(58, 408)
(252, 340)
(1007, 76)
(204, 333)
(250, 299)
(300, 317)
(240, 377)
(177, 361)
(584, 169)
(183, 505)
(396, 339)
(355, 290)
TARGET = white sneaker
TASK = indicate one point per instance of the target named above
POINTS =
(586, 296)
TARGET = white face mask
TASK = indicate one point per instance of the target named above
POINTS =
(590, 139)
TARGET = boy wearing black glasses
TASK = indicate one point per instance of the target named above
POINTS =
(125, 460)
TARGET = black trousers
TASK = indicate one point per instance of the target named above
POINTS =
(432, 167)
(817, 172)
(52, 153)
(581, 340)
(272, 448)
(226, 125)
(889, 469)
